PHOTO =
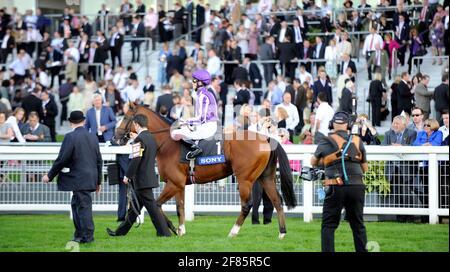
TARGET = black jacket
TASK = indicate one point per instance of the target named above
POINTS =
(242, 97)
(318, 88)
(239, 73)
(51, 113)
(32, 103)
(255, 75)
(345, 104)
(79, 163)
(200, 19)
(118, 43)
(441, 100)
(404, 97)
(142, 168)
(287, 52)
(164, 100)
(351, 64)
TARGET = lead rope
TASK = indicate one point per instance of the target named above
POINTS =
(349, 141)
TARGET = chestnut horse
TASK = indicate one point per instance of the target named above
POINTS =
(250, 156)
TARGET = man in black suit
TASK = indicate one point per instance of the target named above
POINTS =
(402, 37)
(405, 96)
(307, 54)
(79, 169)
(141, 174)
(266, 52)
(86, 26)
(97, 54)
(166, 99)
(441, 97)
(138, 32)
(283, 32)
(174, 62)
(255, 78)
(287, 53)
(242, 96)
(200, 20)
(115, 46)
(239, 73)
(54, 64)
(322, 85)
(6, 46)
(33, 102)
(319, 51)
(347, 62)
(50, 111)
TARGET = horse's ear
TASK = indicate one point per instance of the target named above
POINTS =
(131, 104)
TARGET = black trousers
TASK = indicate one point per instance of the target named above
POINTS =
(268, 72)
(376, 111)
(135, 48)
(258, 193)
(82, 215)
(350, 197)
(123, 161)
(144, 198)
(116, 54)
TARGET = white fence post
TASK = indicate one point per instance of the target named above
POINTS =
(433, 188)
(189, 197)
(307, 193)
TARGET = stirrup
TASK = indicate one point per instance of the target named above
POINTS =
(194, 153)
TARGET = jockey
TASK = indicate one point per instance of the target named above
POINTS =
(204, 124)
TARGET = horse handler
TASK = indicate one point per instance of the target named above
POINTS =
(79, 169)
(141, 174)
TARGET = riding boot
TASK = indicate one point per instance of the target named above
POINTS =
(195, 149)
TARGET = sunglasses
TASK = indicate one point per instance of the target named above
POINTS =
(194, 81)
(416, 115)
(427, 125)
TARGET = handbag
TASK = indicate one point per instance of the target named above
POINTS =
(113, 173)
(421, 51)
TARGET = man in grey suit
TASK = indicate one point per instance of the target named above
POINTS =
(33, 131)
(423, 96)
(79, 169)
(399, 173)
(266, 53)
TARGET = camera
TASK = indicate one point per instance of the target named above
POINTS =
(312, 174)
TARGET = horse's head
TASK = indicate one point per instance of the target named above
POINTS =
(122, 135)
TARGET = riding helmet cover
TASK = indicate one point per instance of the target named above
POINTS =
(203, 76)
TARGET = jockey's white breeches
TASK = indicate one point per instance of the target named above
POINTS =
(198, 132)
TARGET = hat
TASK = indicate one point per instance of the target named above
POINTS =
(133, 76)
(341, 118)
(76, 117)
(203, 76)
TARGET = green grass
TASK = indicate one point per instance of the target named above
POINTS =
(209, 233)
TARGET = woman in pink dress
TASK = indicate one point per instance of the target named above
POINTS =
(253, 36)
(390, 45)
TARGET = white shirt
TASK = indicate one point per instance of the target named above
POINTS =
(344, 67)
(444, 131)
(5, 41)
(213, 66)
(132, 94)
(304, 76)
(293, 118)
(97, 119)
(282, 34)
(74, 53)
(18, 67)
(298, 34)
(120, 80)
(368, 41)
(324, 114)
(15, 127)
(43, 78)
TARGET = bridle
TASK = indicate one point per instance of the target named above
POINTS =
(127, 130)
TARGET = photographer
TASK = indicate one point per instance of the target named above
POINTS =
(343, 182)
(367, 132)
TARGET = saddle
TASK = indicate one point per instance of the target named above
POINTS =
(212, 152)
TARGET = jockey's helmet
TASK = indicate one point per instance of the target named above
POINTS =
(203, 76)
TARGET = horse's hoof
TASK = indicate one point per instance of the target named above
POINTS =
(281, 236)
(234, 231)
(181, 231)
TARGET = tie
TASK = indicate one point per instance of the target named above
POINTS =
(378, 57)
(422, 14)
(399, 138)
(371, 42)
(297, 34)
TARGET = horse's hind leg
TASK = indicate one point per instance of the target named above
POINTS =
(245, 190)
(168, 192)
(271, 191)
(180, 212)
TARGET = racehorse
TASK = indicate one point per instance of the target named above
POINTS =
(250, 156)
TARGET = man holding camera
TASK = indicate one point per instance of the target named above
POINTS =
(344, 159)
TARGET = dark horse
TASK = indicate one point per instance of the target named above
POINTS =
(250, 156)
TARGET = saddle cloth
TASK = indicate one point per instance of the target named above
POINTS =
(212, 152)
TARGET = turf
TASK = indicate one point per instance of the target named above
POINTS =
(209, 233)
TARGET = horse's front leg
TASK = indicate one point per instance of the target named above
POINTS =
(179, 197)
(167, 193)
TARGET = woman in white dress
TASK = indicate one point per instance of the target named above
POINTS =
(331, 54)
(242, 39)
(16, 121)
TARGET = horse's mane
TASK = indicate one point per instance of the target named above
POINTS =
(156, 114)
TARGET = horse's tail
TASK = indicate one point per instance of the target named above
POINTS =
(287, 183)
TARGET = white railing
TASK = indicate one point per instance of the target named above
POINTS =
(417, 177)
